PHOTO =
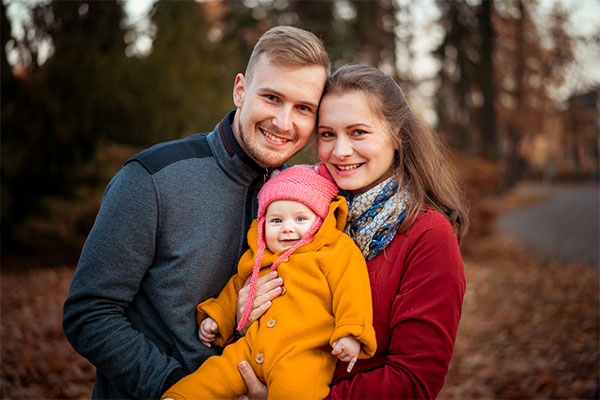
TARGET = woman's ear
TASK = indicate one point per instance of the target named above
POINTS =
(239, 88)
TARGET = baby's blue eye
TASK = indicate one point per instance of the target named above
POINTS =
(276, 220)
(301, 219)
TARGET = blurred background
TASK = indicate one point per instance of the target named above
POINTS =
(512, 86)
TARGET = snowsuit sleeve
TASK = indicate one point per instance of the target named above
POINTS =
(352, 308)
(420, 299)
(223, 308)
(119, 250)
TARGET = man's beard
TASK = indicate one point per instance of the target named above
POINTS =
(263, 157)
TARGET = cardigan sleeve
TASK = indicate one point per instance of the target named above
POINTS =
(352, 307)
(424, 313)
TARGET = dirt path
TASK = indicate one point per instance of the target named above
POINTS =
(563, 225)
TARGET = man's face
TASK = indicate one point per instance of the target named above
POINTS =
(277, 110)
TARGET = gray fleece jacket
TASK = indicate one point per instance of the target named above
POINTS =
(168, 235)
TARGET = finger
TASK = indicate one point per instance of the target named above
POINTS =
(265, 279)
(212, 326)
(269, 284)
(261, 280)
(351, 364)
(256, 389)
(205, 337)
(337, 350)
(258, 312)
(268, 295)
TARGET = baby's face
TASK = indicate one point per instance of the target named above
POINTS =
(286, 222)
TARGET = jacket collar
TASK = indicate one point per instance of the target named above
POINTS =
(230, 156)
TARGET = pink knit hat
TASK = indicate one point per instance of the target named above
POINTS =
(310, 185)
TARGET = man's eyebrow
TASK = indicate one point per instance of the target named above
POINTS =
(279, 94)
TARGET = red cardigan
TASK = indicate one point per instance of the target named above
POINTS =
(417, 285)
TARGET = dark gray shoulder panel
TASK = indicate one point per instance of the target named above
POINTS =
(162, 155)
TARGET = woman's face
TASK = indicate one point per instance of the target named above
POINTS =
(354, 143)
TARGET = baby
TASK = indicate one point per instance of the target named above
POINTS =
(326, 303)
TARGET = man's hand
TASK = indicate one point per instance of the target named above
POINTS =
(256, 389)
(347, 349)
(207, 331)
(268, 287)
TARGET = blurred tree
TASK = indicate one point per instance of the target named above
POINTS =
(353, 30)
(65, 105)
(8, 81)
(465, 104)
(498, 73)
(486, 117)
(190, 72)
(373, 33)
(8, 99)
(529, 65)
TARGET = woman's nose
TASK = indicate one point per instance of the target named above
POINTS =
(342, 147)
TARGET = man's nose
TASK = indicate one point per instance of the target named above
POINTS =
(283, 119)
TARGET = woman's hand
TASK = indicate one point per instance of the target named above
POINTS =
(256, 389)
(268, 287)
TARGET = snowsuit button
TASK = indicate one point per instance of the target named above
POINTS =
(260, 358)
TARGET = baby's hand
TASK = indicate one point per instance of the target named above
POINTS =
(347, 349)
(207, 331)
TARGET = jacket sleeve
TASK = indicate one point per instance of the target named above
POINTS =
(423, 322)
(118, 251)
(223, 308)
(352, 308)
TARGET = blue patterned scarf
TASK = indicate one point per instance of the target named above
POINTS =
(375, 215)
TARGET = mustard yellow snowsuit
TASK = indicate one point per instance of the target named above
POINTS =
(327, 297)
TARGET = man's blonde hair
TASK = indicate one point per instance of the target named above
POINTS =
(289, 46)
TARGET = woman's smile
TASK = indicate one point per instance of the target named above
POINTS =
(355, 144)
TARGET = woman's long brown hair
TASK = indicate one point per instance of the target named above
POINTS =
(422, 164)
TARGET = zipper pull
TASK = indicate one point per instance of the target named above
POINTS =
(267, 174)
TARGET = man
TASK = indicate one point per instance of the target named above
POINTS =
(173, 221)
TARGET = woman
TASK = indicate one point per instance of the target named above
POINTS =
(407, 215)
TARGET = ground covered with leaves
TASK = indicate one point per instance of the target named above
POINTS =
(530, 329)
